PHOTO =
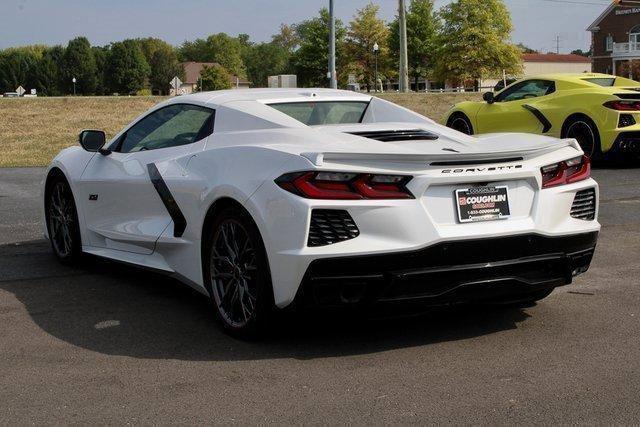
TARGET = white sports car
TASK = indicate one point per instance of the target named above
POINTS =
(261, 199)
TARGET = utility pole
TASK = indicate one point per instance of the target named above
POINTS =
(332, 47)
(404, 63)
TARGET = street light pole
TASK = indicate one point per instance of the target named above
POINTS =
(404, 63)
(376, 48)
(74, 86)
(332, 47)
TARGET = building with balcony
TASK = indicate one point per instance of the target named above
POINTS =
(615, 40)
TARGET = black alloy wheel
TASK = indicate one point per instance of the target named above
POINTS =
(461, 123)
(62, 221)
(583, 130)
(237, 274)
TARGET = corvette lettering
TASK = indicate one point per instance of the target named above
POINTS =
(486, 169)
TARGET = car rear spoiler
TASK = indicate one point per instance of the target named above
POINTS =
(318, 159)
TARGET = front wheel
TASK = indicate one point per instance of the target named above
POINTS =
(237, 274)
(461, 123)
(62, 221)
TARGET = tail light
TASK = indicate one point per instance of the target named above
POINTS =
(345, 185)
(620, 105)
(566, 172)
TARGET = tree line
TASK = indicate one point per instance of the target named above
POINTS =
(462, 41)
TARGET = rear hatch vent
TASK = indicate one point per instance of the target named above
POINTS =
(330, 226)
(628, 95)
(584, 205)
(397, 135)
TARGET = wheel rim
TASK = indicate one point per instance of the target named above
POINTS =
(583, 133)
(233, 274)
(61, 220)
(461, 125)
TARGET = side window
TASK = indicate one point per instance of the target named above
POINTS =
(171, 126)
(608, 43)
(527, 89)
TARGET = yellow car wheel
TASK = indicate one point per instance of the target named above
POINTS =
(585, 131)
(461, 123)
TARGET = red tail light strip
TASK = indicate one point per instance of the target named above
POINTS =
(345, 186)
(566, 172)
(623, 105)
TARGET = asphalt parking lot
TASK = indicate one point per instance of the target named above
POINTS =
(111, 344)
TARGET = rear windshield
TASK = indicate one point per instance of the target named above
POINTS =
(602, 81)
(323, 112)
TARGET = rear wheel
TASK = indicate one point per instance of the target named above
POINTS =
(461, 123)
(62, 221)
(237, 274)
(585, 131)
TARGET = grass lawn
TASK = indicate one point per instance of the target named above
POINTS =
(34, 130)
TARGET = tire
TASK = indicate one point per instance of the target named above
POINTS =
(461, 123)
(585, 131)
(62, 221)
(237, 275)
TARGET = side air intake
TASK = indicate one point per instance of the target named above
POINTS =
(330, 226)
(397, 135)
(584, 205)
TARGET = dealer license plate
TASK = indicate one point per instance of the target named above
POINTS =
(482, 203)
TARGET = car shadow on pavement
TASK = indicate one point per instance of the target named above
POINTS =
(115, 309)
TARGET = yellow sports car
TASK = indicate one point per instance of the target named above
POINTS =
(601, 111)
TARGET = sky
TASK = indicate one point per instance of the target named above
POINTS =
(23, 22)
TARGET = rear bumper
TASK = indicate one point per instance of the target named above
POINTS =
(450, 272)
(626, 146)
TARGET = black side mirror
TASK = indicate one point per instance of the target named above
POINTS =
(93, 140)
(488, 97)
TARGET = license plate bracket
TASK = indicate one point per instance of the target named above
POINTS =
(486, 203)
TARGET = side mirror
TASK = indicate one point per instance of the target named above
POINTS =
(93, 140)
(488, 97)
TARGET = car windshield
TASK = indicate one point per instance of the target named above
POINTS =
(602, 81)
(323, 112)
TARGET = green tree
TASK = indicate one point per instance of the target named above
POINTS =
(474, 41)
(219, 48)
(287, 38)
(525, 49)
(48, 73)
(80, 63)
(265, 59)
(101, 54)
(163, 63)
(365, 30)
(310, 61)
(422, 28)
(196, 50)
(214, 78)
(226, 51)
(581, 52)
(18, 67)
(127, 69)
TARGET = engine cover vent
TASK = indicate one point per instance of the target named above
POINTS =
(330, 226)
(397, 135)
(584, 205)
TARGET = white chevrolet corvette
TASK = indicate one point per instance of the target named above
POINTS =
(261, 199)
